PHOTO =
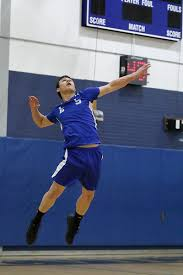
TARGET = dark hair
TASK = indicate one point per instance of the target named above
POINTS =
(58, 80)
(57, 84)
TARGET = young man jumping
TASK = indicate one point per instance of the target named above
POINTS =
(82, 159)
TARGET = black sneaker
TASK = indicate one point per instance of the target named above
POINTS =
(72, 229)
(32, 232)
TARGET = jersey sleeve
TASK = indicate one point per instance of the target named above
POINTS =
(91, 93)
(52, 117)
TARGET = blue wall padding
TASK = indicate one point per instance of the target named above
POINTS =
(133, 116)
(138, 201)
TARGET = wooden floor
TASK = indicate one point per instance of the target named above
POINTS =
(105, 262)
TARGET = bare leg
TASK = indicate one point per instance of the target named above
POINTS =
(84, 201)
(50, 197)
(47, 202)
(73, 222)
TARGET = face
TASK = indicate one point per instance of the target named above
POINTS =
(66, 86)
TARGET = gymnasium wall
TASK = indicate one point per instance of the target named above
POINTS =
(47, 38)
(141, 193)
(138, 201)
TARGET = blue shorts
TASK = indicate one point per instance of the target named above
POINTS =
(83, 164)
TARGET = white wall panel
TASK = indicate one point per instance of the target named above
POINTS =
(4, 58)
(51, 60)
(181, 52)
(106, 67)
(181, 78)
(156, 48)
(113, 42)
(122, 43)
(163, 75)
(55, 22)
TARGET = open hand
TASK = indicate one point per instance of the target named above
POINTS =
(143, 71)
(33, 102)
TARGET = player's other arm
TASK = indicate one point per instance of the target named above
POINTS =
(39, 119)
(123, 81)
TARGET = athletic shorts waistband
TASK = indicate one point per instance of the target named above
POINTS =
(84, 148)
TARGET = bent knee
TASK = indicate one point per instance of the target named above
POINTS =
(55, 191)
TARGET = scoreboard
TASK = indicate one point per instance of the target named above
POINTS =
(156, 18)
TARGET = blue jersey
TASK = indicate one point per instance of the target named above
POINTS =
(76, 119)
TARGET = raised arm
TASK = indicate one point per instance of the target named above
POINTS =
(39, 119)
(123, 81)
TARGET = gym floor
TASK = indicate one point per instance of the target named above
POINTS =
(93, 262)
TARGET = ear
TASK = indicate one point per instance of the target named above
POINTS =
(58, 90)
